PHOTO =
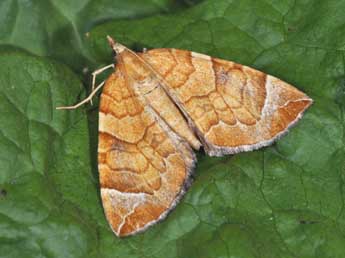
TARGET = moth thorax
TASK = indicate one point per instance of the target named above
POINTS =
(135, 67)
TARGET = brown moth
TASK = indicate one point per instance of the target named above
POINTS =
(159, 105)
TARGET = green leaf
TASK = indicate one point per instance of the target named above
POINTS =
(45, 181)
(283, 201)
(57, 28)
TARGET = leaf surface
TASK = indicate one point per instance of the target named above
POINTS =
(283, 201)
(58, 28)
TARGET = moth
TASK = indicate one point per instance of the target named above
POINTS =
(161, 105)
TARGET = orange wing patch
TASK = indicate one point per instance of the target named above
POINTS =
(144, 166)
(233, 107)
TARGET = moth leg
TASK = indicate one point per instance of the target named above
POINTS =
(94, 89)
(89, 98)
(97, 72)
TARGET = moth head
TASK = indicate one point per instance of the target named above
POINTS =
(117, 47)
(135, 68)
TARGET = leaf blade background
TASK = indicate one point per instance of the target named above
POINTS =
(283, 201)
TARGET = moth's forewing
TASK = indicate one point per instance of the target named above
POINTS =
(144, 166)
(233, 108)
